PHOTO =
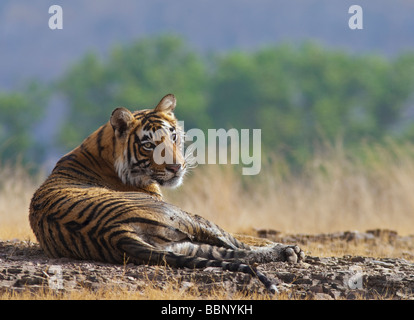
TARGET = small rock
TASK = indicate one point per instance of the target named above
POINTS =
(357, 259)
(383, 264)
(316, 289)
(14, 270)
(213, 269)
(321, 296)
(29, 281)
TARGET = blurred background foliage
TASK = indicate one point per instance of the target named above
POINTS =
(20, 112)
(301, 96)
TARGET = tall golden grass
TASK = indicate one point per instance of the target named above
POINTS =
(16, 190)
(333, 192)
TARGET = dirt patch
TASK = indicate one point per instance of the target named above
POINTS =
(23, 266)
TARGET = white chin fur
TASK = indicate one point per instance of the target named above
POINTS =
(173, 183)
(122, 170)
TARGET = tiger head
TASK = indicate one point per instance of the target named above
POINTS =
(148, 145)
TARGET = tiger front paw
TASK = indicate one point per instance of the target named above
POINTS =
(292, 254)
(277, 252)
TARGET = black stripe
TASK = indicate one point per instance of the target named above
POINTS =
(105, 226)
(99, 140)
(135, 148)
(56, 227)
(44, 232)
(90, 157)
(94, 212)
(107, 250)
(109, 224)
(246, 269)
(68, 210)
(100, 221)
(116, 233)
(113, 146)
(67, 175)
(80, 213)
(202, 263)
(161, 238)
(80, 173)
(156, 120)
(84, 247)
(147, 127)
(87, 169)
(109, 241)
(143, 163)
(148, 221)
(74, 248)
(68, 157)
(91, 237)
(42, 205)
(74, 226)
(120, 203)
(230, 253)
(98, 224)
(141, 253)
(265, 280)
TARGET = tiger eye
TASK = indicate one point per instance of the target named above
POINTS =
(148, 145)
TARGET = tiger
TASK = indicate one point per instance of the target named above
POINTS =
(103, 202)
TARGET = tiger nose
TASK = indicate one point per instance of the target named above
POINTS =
(173, 167)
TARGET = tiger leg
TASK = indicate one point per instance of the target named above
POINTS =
(140, 254)
(212, 234)
(277, 252)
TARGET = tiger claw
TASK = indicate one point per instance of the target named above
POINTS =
(294, 254)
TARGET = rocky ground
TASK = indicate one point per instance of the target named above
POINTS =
(23, 267)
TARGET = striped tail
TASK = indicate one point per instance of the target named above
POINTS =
(240, 267)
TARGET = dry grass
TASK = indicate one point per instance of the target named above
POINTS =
(16, 190)
(335, 192)
(151, 292)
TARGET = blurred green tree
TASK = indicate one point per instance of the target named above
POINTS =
(307, 94)
(140, 73)
(19, 115)
(298, 95)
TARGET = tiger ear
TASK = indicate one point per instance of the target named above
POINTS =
(121, 121)
(167, 104)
